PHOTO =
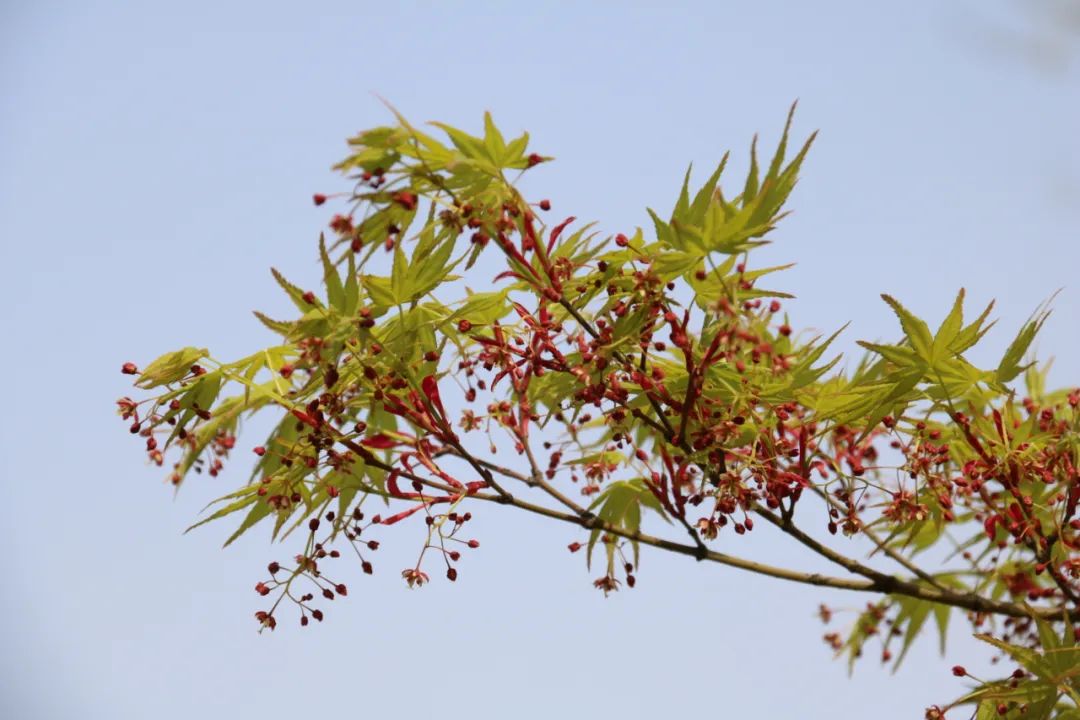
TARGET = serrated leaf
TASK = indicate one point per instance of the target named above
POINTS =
(1010, 366)
(335, 291)
(950, 326)
(399, 276)
(294, 293)
(170, 367)
(916, 330)
(896, 354)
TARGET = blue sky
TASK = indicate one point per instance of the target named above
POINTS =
(156, 159)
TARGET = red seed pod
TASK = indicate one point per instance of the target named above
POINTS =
(317, 614)
(262, 589)
(318, 199)
(259, 450)
(313, 524)
(373, 544)
(631, 581)
(785, 330)
(774, 306)
(464, 326)
(328, 593)
(959, 670)
(303, 621)
(367, 567)
(574, 547)
(454, 555)
(621, 240)
(340, 589)
(545, 204)
(273, 567)
(474, 544)
(129, 368)
(134, 429)
(534, 159)
(451, 574)
(309, 297)
(406, 199)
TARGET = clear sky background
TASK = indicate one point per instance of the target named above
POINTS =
(157, 158)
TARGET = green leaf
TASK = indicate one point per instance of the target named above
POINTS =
(248, 498)
(335, 291)
(399, 277)
(971, 334)
(352, 288)
(950, 326)
(750, 190)
(1010, 366)
(257, 513)
(493, 140)
(896, 354)
(942, 614)
(294, 293)
(483, 308)
(379, 289)
(170, 367)
(912, 615)
(917, 331)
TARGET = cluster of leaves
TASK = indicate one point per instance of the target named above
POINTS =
(648, 375)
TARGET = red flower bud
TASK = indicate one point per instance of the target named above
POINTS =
(545, 204)
(534, 160)
(574, 547)
(341, 589)
(309, 297)
(129, 368)
(259, 450)
(318, 199)
(959, 671)
(474, 544)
